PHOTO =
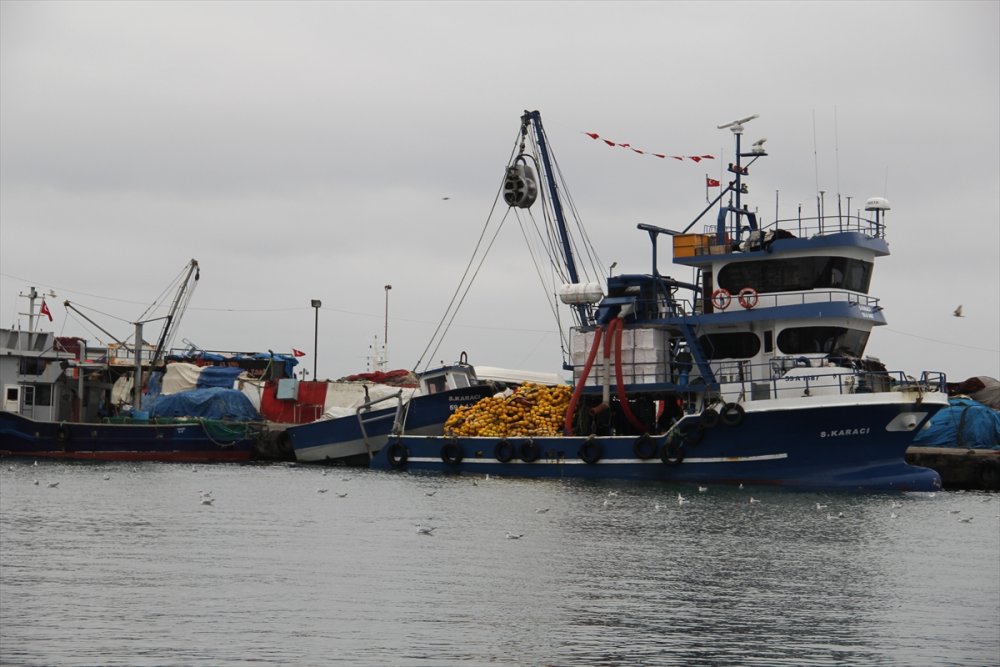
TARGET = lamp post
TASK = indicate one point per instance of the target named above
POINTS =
(316, 303)
(385, 337)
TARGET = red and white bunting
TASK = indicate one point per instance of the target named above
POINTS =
(662, 156)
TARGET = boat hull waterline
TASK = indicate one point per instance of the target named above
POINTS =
(853, 446)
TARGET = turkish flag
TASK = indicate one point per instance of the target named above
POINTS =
(45, 310)
(711, 182)
(298, 353)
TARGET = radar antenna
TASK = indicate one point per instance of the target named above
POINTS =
(737, 125)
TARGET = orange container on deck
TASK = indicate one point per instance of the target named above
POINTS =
(689, 245)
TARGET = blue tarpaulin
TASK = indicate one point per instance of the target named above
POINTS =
(218, 376)
(209, 403)
(964, 423)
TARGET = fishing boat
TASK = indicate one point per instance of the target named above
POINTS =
(360, 414)
(751, 372)
(64, 399)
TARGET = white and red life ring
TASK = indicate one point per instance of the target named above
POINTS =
(748, 297)
(721, 298)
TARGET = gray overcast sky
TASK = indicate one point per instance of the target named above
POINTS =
(302, 151)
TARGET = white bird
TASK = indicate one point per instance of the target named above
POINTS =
(541, 510)
(741, 485)
(954, 511)
(35, 463)
(514, 536)
(429, 493)
(324, 473)
(966, 520)
(107, 477)
(612, 493)
(753, 500)
(606, 503)
(821, 507)
(958, 311)
(658, 506)
(893, 516)
(425, 530)
(838, 515)
(53, 485)
(322, 490)
(35, 482)
(702, 489)
(10, 468)
(342, 495)
(681, 499)
(896, 505)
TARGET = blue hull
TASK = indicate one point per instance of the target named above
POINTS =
(341, 440)
(830, 447)
(192, 442)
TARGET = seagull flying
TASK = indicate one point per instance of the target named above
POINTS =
(958, 311)
(514, 536)
(681, 499)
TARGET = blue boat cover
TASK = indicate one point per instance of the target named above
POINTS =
(218, 376)
(209, 403)
(964, 423)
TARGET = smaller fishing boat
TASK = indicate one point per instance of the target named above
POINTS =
(63, 399)
(360, 414)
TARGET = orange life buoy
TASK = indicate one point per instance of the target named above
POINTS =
(721, 298)
(748, 297)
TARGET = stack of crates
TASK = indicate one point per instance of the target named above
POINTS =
(645, 357)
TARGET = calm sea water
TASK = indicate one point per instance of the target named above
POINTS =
(122, 564)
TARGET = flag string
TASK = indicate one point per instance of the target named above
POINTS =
(614, 144)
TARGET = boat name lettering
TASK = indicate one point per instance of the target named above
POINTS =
(463, 399)
(845, 431)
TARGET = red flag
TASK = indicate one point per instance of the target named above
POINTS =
(592, 135)
(696, 158)
(711, 182)
(609, 143)
(298, 353)
(45, 310)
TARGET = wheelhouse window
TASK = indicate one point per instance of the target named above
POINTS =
(741, 345)
(31, 365)
(797, 274)
(828, 340)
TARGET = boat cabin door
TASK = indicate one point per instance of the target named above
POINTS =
(19, 399)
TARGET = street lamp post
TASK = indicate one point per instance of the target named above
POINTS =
(385, 337)
(316, 303)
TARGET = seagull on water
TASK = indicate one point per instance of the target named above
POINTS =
(514, 536)
(681, 499)
(838, 515)
(35, 482)
(966, 520)
(753, 500)
(954, 511)
(612, 493)
(896, 505)
(741, 485)
(702, 489)
(205, 500)
(342, 495)
(107, 477)
(53, 485)
(893, 516)
(821, 507)
(541, 510)
(425, 530)
(429, 493)
(322, 490)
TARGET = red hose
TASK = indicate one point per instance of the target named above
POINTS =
(617, 326)
(571, 410)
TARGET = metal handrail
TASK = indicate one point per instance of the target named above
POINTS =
(366, 407)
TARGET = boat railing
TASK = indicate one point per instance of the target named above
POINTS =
(366, 416)
(800, 227)
(674, 307)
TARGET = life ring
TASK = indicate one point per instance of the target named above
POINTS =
(692, 434)
(451, 454)
(673, 452)
(748, 297)
(591, 452)
(529, 451)
(721, 298)
(62, 433)
(503, 452)
(732, 414)
(397, 455)
(709, 417)
(644, 447)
